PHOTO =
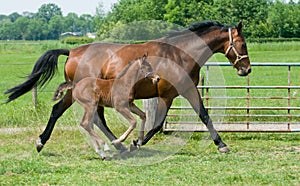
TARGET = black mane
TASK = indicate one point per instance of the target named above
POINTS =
(199, 27)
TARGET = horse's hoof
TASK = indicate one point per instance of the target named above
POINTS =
(39, 145)
(224, 149)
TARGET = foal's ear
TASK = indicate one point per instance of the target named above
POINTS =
(144, 57)
(239, 27)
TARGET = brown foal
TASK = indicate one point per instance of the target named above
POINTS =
(118, 93)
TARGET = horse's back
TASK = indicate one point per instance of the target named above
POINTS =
(90, 58)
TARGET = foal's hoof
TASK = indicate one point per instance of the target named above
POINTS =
(224, 149)
(101, 154)
(115, 142)
(106, 148)
(39, 145)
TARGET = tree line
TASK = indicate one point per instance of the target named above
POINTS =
(47, 24)
(261, 19)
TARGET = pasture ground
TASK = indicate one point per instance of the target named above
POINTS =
(255, 158)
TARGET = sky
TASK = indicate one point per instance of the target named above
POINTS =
(77, 6)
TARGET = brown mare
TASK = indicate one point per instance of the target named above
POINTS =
(177, 58)
(118, 93)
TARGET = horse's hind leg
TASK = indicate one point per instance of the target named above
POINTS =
(57, 110)
(101, 123)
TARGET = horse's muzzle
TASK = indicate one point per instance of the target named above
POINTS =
(154, 77)
(244, 71)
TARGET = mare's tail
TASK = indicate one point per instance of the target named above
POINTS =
(43, 71)
(60, 90)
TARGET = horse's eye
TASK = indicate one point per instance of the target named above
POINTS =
(244, 46)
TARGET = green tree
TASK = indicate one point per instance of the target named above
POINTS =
(37, 30)
(55, 27)
(47, 11)
(70, 22)
(14, 16)
(21, 25)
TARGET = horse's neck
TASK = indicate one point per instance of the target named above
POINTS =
(199, 48)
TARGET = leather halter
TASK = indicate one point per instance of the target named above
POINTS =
(231, 46)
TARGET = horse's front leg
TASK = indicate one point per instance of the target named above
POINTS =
(100, 121)
(160, 115)
(57, 110)
(193, 96)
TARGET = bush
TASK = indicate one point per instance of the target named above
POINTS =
(76, 40)
(265, 40)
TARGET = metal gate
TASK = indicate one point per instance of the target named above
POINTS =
(265, 101)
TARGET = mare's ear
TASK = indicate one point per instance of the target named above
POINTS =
(239, 27)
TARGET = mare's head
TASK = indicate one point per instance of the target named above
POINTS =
(225, 39)
(235, 50)
(140, 69)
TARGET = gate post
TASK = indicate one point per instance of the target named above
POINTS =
(150, 107)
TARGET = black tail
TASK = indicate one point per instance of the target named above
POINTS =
(43, 71)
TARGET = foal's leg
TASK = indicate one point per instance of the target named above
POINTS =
(142, 115)
(57, 110)
(126, 113)
(86, 123)
(193, 96)
(101, 123)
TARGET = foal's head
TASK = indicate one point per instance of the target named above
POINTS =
(146, 70)
(140, 69)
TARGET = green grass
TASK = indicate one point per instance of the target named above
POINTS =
(173, 159)
(255, 159)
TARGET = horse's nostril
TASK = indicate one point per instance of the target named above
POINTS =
(249, 70)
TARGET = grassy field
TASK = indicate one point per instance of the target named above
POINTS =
(255, 159)
(173, 159)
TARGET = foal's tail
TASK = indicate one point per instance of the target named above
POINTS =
(43, 71)
(60, 90)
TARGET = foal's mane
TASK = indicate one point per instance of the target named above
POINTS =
(199, 28)
(126, 68)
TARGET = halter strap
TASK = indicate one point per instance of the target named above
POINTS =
(231, 46)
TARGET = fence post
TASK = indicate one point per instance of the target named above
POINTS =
(34, 95)
(150, 107)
